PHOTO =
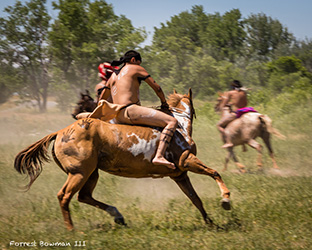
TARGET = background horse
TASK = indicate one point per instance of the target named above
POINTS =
(245, 130)
(85, 104)
(87, 145)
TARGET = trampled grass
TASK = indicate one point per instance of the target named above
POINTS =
(271, 208)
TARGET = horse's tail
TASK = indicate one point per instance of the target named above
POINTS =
(268, 124)
(29, 161)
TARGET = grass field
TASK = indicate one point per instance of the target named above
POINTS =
(271, 208)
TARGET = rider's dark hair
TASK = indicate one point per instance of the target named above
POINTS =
(127, 57)
(236, 84)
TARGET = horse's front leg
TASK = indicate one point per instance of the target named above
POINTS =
(185, 184)
(240, 166)
(227, 159)
(193, 164)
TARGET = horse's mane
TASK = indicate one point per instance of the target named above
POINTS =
(174, 99)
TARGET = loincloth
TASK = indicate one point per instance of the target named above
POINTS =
(83, 115)
(244, 110)
(106, 111)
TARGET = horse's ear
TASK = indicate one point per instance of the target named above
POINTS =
(190, 94)
(87, 92)
(174, 91)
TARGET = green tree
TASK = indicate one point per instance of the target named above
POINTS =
(225, 35)
(181, 32)
(265, 35)
(303, 50)
(179, 38)
(285, 71)
(186, 50)
(87, 33)
(9, 80)
(287, 65)
(23, 44)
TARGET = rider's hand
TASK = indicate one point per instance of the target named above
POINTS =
(164, 105)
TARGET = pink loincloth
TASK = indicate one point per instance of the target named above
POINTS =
(244, 110)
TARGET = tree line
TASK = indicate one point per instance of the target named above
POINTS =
(41, 56)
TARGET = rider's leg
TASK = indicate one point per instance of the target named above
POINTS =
(146, 116)
(164, 140)
(221, 127)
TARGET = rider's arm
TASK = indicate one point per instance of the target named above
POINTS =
(152, 83)
(106, 93)
(225, 99)
(142, 73)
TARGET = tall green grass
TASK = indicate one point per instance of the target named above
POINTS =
(271, 208)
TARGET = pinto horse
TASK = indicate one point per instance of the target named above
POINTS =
(244, 130)
(85, 104)
(89, 145)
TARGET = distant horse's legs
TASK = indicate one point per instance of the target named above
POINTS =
(85, 196)
(240, 166)
(266, 138)
(184, 183)
(227, 159)
(221, 125)
(254, 144)
(193, 164)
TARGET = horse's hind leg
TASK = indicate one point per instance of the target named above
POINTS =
(85, 196)
(185, 184)
(72, 185)
(193, 164)
(266, 138)
(254, 144)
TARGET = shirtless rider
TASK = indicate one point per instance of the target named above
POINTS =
(124, 86)
(237, 98)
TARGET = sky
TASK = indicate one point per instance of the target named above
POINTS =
(293, 14)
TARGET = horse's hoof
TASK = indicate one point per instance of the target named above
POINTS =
(226, 204)
(120, 221)
(242, 170)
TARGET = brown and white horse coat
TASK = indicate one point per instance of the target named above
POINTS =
(87, 145)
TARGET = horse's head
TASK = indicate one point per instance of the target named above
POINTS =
(85, 104)
(217, 107)
(182, 109)
(182, 104)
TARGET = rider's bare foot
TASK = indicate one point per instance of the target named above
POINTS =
(163, 162)
(227, 145)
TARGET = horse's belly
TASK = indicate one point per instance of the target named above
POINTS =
(136, 162)
(137, 168)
